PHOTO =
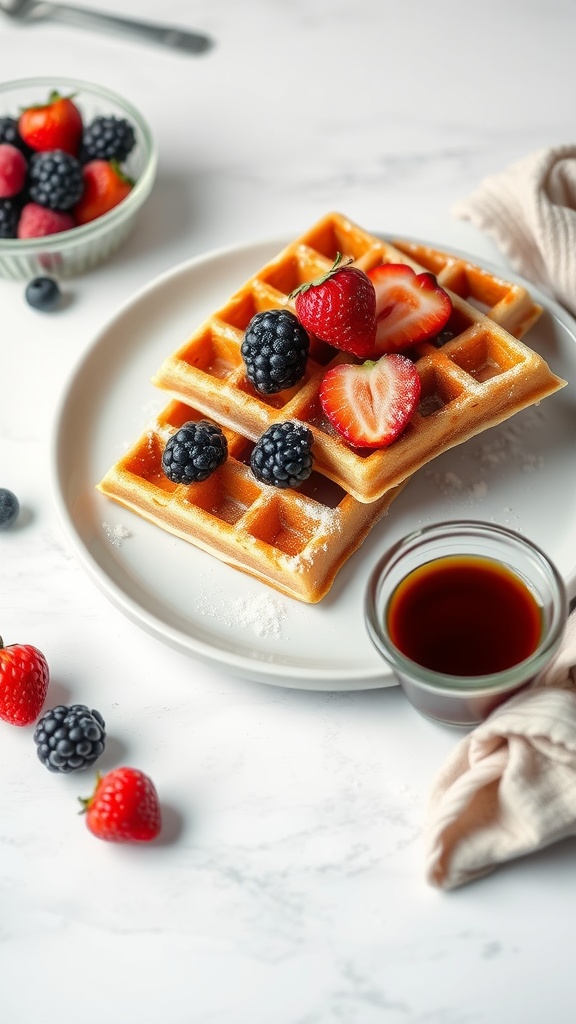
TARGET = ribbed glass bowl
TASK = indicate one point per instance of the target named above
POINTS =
(76, 251)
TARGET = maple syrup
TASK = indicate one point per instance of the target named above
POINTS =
(464, 616)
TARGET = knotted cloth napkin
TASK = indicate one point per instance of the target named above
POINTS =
(509, 787)
(530, 211)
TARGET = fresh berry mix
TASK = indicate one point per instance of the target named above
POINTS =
(24, 678)
(194, 452)
(340, 308)
(275, 350)
(43, 293)
(69, 739)
(50, 159)
(9, 508)
(282, 456)
(55, 180)
(9, 216)
(107, 138)
(124, 807)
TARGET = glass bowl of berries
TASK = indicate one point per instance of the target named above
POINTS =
(77, 162)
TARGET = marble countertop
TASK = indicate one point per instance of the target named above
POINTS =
(288, 885)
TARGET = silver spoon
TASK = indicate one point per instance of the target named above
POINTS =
(164, 35)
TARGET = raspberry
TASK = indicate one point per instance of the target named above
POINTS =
(194, 452)
(9, 214)
(282, 457)
(55, 179)
(9, 508)
(108, 138)
(36, 221)
(275, 350)
(13, 168)
(69, 738)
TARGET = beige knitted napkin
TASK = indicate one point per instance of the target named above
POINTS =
(509, 787)
(530, 211)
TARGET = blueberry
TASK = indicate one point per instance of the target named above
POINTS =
(43, 293)
(9, 508)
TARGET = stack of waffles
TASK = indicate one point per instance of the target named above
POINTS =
(476, 373)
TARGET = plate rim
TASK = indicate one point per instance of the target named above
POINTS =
(275, 673)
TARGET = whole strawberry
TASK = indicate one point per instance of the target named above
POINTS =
(340, 308)
(56, 124)
(124, 807)
(105, 185)
(24, 678)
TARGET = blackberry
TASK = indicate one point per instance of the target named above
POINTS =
(43, 293)
(69, 738)
(55, 179)
(9, 508)
(9, 215)
(107, 138)
(194, 452)
(9, 133)
(275, 349)
(282, 457)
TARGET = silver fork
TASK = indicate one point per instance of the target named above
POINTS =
(165, 35)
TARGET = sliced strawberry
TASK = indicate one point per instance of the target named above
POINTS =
(410, 307)
(371, 404)
(340, 308)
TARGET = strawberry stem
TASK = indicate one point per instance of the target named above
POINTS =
(87, 800)
(339, 263)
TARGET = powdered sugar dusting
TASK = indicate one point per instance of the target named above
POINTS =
(264, 614)
(116, 534)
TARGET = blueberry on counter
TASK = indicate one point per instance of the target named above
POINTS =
(9, 508)
(43, 293)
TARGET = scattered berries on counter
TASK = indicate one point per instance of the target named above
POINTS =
(24, 677)
(9, 508)
(9, 214)
(43, 293)
(124, 807)
(194, 452)
(55, 179)
(13, 169)
(282, 456)
(107, 138)
(69, 739)
(275, 350)
(56, 124)
(37, 221)
(104, 186)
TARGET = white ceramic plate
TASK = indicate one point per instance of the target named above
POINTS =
(521, 475)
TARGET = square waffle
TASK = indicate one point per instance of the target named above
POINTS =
(293, 540)
(475, 374)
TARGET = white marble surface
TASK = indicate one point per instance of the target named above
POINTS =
(288, 888)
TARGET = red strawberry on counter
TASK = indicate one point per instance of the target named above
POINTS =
(371, 404)
(105, 185)
(55, 125)
(410, 307)
(124, 807)
(340, 308)
(24, 678)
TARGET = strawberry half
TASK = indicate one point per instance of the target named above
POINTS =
(371, 404)
(340, 308)
(410, 307)
(56, 124)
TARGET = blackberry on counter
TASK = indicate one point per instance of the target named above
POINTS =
(107, 138)
(275, 349)
(9, 215)
(69, 738)
(55, 179)
(282, 456)
(194, 452)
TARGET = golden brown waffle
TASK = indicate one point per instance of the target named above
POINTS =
(295, 541)
(473, 376)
